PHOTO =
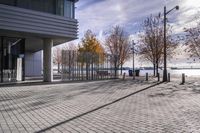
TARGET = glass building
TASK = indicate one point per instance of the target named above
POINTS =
(57, 7)
(12, 52)
(28, 27)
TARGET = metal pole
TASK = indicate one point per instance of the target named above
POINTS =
(73, 65)
(133, 61)
(168, 77)
(23, 60)
(183, 78)
(82, 63)
(92, 66)
(165, 48)
(147, 77)
(115, 56)
(69, 52)
(1, 59)
(124, 76)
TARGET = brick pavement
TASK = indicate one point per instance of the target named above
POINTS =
(95, 107)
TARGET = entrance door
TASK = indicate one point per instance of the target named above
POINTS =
(12, 59)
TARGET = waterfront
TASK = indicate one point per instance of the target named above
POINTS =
(173, 72)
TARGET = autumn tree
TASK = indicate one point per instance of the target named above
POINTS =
(118, 46)
(192, 39)
(70, 46)
(91, 50)
(151, 45)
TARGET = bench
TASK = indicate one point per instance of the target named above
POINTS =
(102, 73)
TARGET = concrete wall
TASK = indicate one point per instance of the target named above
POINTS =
(33, 64)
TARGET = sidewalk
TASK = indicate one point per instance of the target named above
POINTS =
(101, 106)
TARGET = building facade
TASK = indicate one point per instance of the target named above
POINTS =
(26, 28)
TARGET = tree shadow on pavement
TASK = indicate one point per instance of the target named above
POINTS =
(95, 109)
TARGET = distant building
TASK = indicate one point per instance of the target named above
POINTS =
(26, 28)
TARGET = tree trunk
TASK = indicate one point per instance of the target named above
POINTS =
(115, 70)
(82, 71)
(87, 70)
(58, 67)
(154, 69)
(121, 68)
(157, 65)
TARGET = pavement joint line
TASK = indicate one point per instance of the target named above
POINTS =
(15, 84)
(95, 109)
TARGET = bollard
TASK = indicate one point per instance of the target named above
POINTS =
(147, 77)
(158, 74)
(124, 75)
(183, 78)
(168, 77)
(133, 75)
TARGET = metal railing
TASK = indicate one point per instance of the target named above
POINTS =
(87, 66)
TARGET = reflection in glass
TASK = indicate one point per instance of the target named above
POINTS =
(12, 50)
(8, 2)
(58, 7)
(69, 9)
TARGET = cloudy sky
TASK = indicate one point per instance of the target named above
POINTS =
(100, 15)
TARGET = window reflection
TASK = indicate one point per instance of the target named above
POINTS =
(69, 9)
(58, 7)
(8, 2)
(12, 59)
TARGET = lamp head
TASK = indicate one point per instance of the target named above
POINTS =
(177, 7)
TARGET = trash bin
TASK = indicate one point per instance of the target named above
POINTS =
(130, 72)
(137, 72)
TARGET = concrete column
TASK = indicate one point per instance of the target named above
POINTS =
(47, 60)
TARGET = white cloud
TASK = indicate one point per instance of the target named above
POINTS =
(100, 15)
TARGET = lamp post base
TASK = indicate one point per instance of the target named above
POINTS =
(165, 75)
(133, 75)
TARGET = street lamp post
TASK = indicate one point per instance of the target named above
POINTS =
(116, 59)
(133, 49)
(165, 41)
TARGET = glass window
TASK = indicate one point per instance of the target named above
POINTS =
(69, 9)
(12, 51)
(23, 3)
(37, 5)
(8, 2)
(49, 6)
(60, 7)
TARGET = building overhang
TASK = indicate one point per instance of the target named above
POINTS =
(34, 42)
(23, 22)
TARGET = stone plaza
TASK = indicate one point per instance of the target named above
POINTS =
(109, 106)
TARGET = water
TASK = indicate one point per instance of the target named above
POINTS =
(175, 72)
